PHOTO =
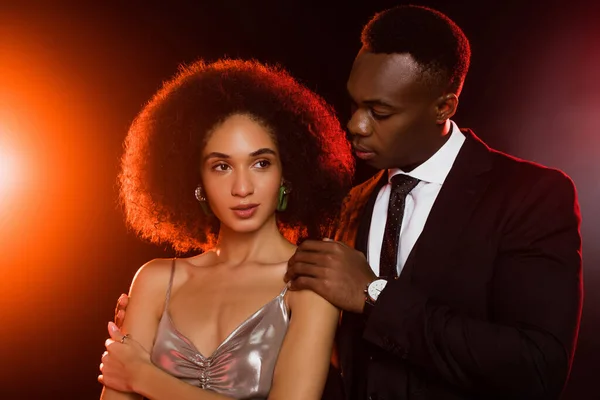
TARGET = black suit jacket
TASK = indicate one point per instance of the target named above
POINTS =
(489, 301)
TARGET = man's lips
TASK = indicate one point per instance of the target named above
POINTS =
(363, 153)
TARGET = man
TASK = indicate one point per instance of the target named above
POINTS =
(457, 267)
(471, 286)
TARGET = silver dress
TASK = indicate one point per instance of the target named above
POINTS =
(241, 367)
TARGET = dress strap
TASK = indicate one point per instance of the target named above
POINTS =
(285, 288)
(168, 295)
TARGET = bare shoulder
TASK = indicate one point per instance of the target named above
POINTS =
(147, 292)
(153, 274)
(157, 272)
(151, 281)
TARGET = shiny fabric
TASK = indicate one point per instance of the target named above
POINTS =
(241, 367)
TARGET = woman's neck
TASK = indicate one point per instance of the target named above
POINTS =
(266, 245)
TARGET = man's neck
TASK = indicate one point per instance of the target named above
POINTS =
(441, 139)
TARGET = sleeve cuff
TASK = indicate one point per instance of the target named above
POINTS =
(396, 314)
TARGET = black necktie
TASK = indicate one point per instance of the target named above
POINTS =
(401, 186)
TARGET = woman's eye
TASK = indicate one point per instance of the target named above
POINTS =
(221, 167)
(263, 163)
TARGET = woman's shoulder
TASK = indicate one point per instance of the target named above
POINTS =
(153, 275)
(159, 268)
(155, 269)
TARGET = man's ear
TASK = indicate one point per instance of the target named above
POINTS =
(445, 107)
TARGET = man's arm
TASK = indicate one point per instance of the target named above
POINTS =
(525, 351)
(527, 348)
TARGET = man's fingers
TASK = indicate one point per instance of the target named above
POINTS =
(324, 246)
(122, 302)
(303, 264)
(306, 283)
(119, 317)
(337, 243)
(303, 269)
(310, 257)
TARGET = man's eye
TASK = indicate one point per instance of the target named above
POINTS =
(379, 116)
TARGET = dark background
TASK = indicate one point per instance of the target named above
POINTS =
(73, 76)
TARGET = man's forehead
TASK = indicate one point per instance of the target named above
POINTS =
(376, 75)
(401, 65)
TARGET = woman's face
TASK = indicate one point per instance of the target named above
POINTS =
(241, 174)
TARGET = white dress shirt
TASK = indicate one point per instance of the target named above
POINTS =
(432, 174)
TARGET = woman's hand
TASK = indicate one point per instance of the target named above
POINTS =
(121, 361)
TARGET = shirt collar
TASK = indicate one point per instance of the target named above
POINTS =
(437, 167)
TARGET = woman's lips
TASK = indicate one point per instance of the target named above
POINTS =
(245, 211)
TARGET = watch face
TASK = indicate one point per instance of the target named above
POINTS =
(375, 288)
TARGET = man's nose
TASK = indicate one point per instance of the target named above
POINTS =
(359, 123)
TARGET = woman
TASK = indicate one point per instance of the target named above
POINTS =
(238, 160)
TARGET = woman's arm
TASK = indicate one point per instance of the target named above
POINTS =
(156, 384)
(146, 299)
(303, 362)
(130, 368)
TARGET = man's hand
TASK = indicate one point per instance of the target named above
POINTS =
(333, 270)
(120, 310)
(121, 360)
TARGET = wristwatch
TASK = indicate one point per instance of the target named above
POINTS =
(372, 292)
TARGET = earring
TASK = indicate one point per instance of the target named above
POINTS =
(282, 199)
(201, 197)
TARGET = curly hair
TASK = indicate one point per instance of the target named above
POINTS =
(435, 42)
(160, 167)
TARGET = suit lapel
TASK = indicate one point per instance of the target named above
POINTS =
(356, 212)
(458, 197)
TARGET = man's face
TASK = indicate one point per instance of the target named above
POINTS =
(393, 122)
